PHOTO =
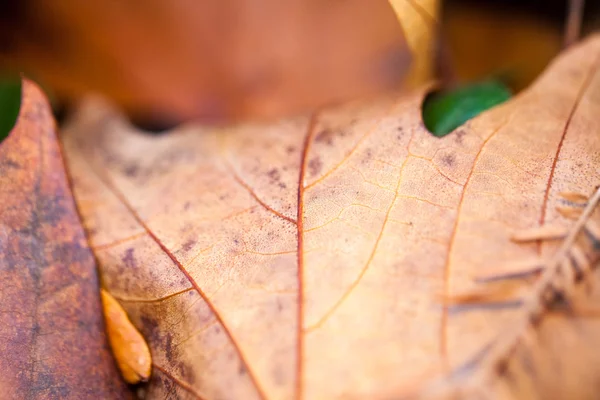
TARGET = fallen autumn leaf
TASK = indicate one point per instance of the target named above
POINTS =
(305, 259)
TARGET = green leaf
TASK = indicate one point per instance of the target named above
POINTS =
(445, 111)
(10, 104)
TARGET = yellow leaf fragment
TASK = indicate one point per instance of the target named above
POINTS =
(569, 212)
(128, 345)
(574, 197)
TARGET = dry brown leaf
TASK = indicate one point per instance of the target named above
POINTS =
(305, 259)
(52, 342)
(221, 58)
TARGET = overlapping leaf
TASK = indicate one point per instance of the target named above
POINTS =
(53, 343)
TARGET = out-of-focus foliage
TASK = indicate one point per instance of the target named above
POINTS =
(10, 103)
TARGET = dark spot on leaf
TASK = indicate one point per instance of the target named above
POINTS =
(326, 136)
(449, 160)
(368, 156)
(52, 208)
(274, 174)
(290, 149)
(400, 131)
(169, 347)
(459, 134)
(131, 170)
(128, 259)
(150, 329)
(501, 367)
(8, 163)
(187, 246)
(315, 165)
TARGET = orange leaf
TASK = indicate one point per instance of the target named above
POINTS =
(212, 59)
(305, 259)
(51, 325)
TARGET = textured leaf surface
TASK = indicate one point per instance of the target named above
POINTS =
(51, 325)
(310, 258)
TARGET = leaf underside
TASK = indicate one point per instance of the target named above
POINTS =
(310, 258)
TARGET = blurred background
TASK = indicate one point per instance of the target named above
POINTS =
(167, 62)
(517, 38)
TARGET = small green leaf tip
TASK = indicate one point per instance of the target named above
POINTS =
(10, 104)
(445, 111)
